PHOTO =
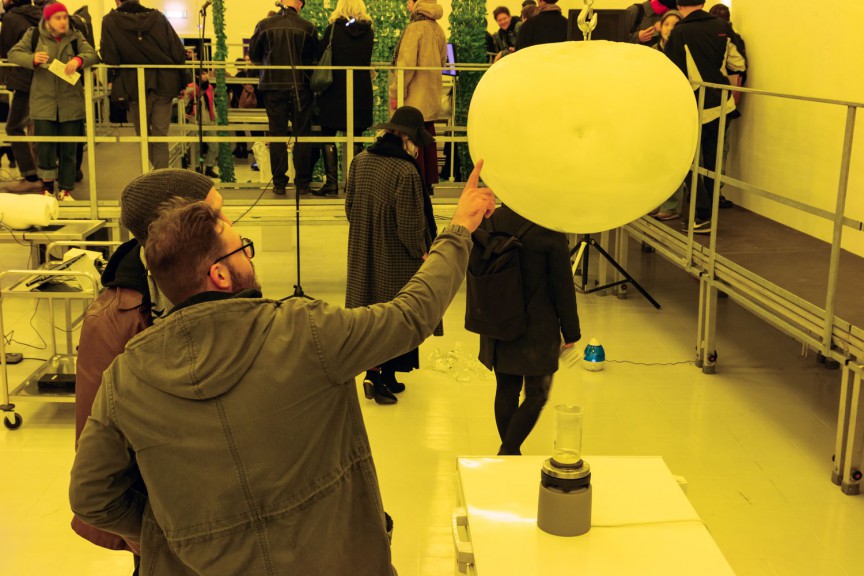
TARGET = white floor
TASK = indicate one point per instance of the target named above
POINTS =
(754, 441)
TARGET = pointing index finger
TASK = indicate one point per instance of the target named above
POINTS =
(474, 178)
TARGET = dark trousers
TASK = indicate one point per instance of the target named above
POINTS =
(281, 110)
(50, 153)
(705, 185)
(16, 125)
(516, 421)
(158, 111)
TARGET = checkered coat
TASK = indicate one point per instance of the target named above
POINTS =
(387, 236)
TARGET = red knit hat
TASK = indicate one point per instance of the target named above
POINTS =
(52, 9)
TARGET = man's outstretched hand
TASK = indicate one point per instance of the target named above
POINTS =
(475, 203)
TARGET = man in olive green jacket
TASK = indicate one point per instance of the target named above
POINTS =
(242, 412)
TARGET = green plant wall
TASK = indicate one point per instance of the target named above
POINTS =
(389, 19)
(226, 160)
(468, 35)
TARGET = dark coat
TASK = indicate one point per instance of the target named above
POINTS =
(709, 41)
(544, 28)
(16, 22)
(550, 302)
(503, 40)
(133, 34)
(388, 235)
(285, 39)
(352, 46)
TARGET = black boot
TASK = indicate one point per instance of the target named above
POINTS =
(331, 170)
(388, 378)
(373, 388)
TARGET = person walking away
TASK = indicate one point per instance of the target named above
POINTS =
(530, 360)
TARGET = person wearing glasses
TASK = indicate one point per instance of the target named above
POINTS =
(130, 301)
(242, 412)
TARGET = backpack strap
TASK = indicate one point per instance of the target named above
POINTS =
(34, 40)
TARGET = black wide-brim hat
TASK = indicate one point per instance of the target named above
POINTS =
(409, 120)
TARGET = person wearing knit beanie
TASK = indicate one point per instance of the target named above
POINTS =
(52, 9)
(142, 197)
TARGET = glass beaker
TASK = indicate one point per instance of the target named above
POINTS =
(568, 436)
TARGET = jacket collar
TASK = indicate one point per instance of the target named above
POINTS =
(215, 297)
(390, 145)
(125, 268)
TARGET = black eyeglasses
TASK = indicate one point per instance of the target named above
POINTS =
(247, 247)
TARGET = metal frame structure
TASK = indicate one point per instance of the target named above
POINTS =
(816, 327)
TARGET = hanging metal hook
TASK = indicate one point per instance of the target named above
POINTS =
(587, 20)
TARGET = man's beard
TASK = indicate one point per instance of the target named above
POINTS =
(244, 281)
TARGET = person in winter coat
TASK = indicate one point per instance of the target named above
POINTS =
(530, 360)
(56, 106)
(129, 303)
(642, 20)
(21, 15)
(351, 36)
(504, 40)
(422, 45)
(704, 48)
(254, 453)
(545, 26)
(287, 39)
(389, 232)
(133, 34)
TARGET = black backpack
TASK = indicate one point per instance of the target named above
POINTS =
(495, 302)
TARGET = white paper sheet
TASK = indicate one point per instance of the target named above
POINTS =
(59, 69)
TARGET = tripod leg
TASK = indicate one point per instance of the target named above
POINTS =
(623, 272)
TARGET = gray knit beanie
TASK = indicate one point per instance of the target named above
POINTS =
(141, 199)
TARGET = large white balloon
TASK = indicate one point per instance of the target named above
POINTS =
(583, 136)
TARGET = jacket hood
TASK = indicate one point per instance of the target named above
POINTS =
(126, 270)
(200, 360)
(28, 11)
(136, 18)
(355, 29)
(429, 8)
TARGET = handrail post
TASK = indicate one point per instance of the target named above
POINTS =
(349, 120)
(833, 270)
(90, 132)
(144, 132)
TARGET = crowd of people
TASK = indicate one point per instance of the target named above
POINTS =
(186, 279)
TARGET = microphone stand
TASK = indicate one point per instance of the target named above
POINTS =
(200, 99)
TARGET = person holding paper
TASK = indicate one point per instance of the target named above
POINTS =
(57, 93)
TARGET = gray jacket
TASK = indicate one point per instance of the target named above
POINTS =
(244, 420)
(50, 97)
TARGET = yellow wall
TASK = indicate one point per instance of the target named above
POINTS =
(793, 148)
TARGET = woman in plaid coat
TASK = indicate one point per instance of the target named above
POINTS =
(391, 230)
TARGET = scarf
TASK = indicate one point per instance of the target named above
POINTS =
(415, 17)
(390, 145)
(547, 8)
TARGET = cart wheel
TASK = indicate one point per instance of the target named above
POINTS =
(13, 424)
